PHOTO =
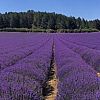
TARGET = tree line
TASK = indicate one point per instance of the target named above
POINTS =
(42, 21)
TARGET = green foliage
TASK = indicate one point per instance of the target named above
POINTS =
(50, 31)
(15, 30)
(45, 22)
(38, 30)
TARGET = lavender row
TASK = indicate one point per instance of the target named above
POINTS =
(12, 44)
(25, 80)
(90, 56)
(77, 80)
(91, 40)
(11, 58)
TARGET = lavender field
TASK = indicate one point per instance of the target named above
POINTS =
(49, 66)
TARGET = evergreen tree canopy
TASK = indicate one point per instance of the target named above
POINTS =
(44, 20)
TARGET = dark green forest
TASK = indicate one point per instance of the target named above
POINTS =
(45, 22)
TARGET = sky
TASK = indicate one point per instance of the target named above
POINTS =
(88, 9)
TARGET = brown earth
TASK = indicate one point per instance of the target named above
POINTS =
(53, 82)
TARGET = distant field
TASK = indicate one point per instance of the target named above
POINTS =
(49, 66)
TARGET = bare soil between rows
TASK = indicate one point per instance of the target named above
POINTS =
(53, 83)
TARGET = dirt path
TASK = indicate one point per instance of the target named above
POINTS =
(98, 74)
(53, 83)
